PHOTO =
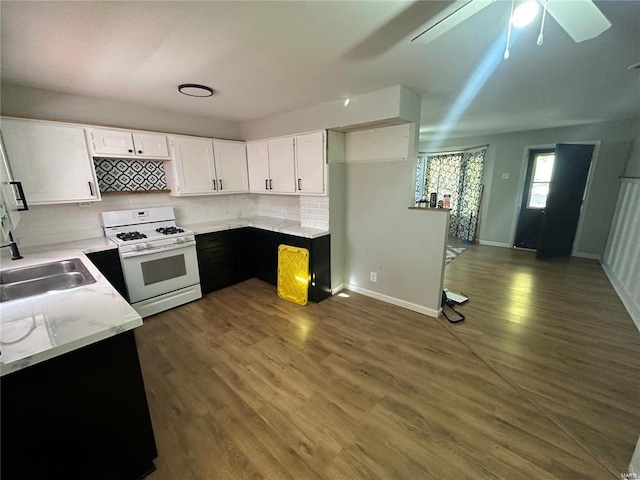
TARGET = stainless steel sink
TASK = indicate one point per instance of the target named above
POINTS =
(39, 271)
(30, 281)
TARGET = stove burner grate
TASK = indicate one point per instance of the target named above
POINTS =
(126, 236)
(169, 230)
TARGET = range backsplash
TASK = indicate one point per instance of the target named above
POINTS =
(122, 175)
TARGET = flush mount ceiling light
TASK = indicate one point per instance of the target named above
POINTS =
(525, 13)
(195, 90)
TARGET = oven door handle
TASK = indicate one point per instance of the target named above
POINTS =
(159, 249)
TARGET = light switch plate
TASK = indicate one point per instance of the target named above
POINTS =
(505, 176)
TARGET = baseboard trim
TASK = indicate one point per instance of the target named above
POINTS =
(494, 244)
(395, 301)
(337, 288)
(592, 256)
(627, 299)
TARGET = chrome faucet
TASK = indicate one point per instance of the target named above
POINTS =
(15, 253)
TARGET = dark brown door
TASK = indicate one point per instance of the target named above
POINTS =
(534, 198)
(566, 192)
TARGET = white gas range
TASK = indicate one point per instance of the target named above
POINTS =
(159, 259)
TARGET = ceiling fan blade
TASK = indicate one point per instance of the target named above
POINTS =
(581, 19)
(448, 18)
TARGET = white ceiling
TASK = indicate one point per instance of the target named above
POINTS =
(265, 58)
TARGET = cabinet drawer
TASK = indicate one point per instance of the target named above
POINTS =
(213, 240)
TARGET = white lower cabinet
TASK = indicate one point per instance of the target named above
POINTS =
(203, 167)
(272, 166)
(51, 160)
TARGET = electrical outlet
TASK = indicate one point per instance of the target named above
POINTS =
(505, 176)
(373, 276)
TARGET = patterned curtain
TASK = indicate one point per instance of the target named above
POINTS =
(458, 174)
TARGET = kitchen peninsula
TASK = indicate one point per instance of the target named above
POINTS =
(72, 389)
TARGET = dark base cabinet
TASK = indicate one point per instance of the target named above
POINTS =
(108, 262)
(232, 256)
(82, 415)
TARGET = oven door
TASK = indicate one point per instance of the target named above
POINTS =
(154, 272)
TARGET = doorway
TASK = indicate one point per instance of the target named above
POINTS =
(552, 199)
(534, 198)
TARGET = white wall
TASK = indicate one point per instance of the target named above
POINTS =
(505, 155)
(621, 260)
(406, 248)
(369, 107)
(28, 102)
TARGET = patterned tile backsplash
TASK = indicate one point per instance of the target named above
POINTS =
(116, 175)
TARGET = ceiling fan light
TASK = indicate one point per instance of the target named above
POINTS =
(525, 13)
(195, 90)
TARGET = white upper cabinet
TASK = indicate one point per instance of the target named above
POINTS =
(194, 170)
(310, 163)
(203, 167)
(271, 166)
(126, 144)
(282, 165)
(150, 145)
(231, 166)
(258, 163)
(51, 160)
(294, 164)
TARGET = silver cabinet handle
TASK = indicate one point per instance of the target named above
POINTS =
(20, 197)
(270, 184)
(300, 184)
(215, 185)
(91, 189)
(140, 152)
(220, 184)
(266, 184)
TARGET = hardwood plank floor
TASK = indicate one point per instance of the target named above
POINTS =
(539, 382)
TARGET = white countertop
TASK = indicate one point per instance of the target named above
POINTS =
(59, 322)
(290, 227)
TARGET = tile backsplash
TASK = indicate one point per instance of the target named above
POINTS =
(279, 206)
(49, 224)
(314, 212)
(126, 175)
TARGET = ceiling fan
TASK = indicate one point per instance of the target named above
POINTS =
(581, 19)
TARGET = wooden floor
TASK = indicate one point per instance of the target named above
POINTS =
(542, 381)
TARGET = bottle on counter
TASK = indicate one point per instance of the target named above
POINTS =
(447, 201)
(433, 200)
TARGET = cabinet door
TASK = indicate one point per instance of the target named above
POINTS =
(231, 166)
(310, 155)
(258, 164)
(282, 166)
(111, 142)
(52, 161)
(151, 145)
(194, 166)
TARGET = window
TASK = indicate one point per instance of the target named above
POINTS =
(542, 170)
